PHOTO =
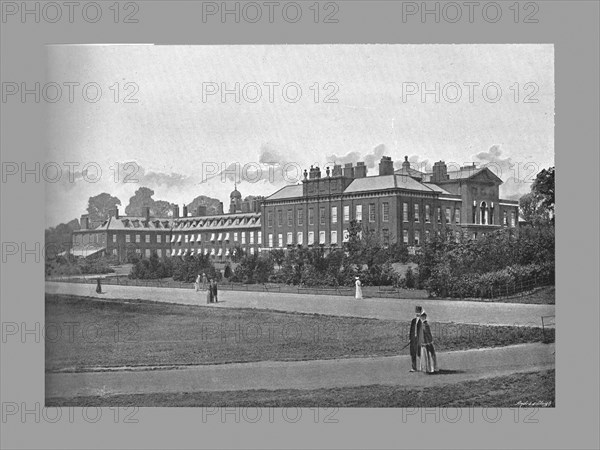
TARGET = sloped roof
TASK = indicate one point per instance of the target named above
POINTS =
(290, 191)
(463, 174)
(378, 183)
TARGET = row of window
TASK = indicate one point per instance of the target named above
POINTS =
(214, 252)
(358, 215)
(241, 237)
(427, 217)
(279, 241)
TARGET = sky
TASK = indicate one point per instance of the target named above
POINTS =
(182, 138)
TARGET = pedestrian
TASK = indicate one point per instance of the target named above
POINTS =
(358, 294)
(214, 290)
(413, 339)
(209, 293)
(204, 281)
(98, 286)
(197, 283)
(428, 358)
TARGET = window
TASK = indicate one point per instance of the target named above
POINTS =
(405, 237)
(290, 218)
(138, 238)
(448, 215)
(147, 238)
(405, 212)
(279, 218)
(300, 238)
(505, 219)
(300, 214)
(311, 237)
(252, 250)
(386, 237)
(427, 217)
(386, 212)
(168, 238)
(311, 216)
(243, 237)
(251, 234)
(290, 240)
(439, 215)
(417, 237)
(334, 237)
(270, 219)
(457, 216)
(114, 238)
(359, 213)
(270, 240)
(416, 212)
(280, 239)
(158, 238)
(372, 212)
(127, 238)
(147, 253)
(321, 237)
(259, 237)
(334, 214)
(346, 213)
(427, 237)
(322, 216)
(513, 220)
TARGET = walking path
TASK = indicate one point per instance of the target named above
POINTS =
(484, 313)
(456, 366)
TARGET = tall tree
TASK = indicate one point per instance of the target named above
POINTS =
(100, 205)
(537, 206)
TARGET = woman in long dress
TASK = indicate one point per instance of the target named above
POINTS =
(358, 294)
(428, 358)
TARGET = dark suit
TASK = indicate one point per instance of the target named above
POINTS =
(413, 339)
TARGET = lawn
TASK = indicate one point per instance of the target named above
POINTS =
(83, 333)
(533, 389)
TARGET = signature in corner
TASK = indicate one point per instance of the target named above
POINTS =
(534, 404)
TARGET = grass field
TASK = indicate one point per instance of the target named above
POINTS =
(82, 333)
(533, 389)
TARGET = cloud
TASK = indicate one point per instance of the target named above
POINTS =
(370, 159)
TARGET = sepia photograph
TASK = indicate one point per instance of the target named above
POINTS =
(299, 226)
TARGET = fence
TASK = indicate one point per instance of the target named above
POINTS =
(368, 291)
(548, 323)
(516, 288)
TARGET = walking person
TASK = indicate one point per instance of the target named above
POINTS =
(197, 283)
(358, 294)
(428, 358)
(214, 290)
(414, 339)
(204, 281)
(98, 286)
(209, 293)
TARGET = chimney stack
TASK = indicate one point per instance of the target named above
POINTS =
(348, 170)
(386, 166)
(176, 211)
(84, 222)
(440, 172)
(406, 164)
(360, 171)
(337, 170)
(184, 214)
(146, 212)
(220, 208)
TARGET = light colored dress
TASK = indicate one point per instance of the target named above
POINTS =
(358, 290)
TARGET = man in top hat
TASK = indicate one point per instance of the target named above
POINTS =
(413, 339)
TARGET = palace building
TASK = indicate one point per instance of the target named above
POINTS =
(404, 205)
(215, 235)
